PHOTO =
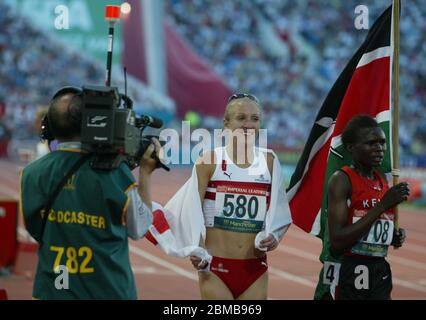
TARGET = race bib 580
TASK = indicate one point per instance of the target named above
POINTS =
(242, 210)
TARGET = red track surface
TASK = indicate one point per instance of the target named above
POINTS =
(294, 266)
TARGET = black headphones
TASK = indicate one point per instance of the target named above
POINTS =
(46, 132)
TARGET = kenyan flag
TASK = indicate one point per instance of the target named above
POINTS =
(364, 87)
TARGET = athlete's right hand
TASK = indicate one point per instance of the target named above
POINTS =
(395, 195)
(196, 262)
(398, 237)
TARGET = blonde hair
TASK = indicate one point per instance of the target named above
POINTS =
(232, 103)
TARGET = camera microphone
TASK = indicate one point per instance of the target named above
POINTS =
(152, 122)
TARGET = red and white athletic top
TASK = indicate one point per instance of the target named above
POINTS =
(366, 194)
(237, 199)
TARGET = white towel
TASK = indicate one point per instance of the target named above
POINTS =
(278, 218)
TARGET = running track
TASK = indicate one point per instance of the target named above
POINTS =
(293, 267)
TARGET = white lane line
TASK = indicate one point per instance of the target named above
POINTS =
(403, 283)
(291, 277)
(299, 253)
(393, 259)
(9, 192)
(416, 235)
(152, 270)
(273, 271)
(408, 284)
(407, 262)
(183, 272)
(25, 236)
(163, 263)
(304, 237)
(414, 247)
(407, 247)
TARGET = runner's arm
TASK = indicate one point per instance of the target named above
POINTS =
(344, 235)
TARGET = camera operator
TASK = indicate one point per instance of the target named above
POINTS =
(83, 247)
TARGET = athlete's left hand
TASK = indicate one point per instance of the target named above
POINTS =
(398, 237)
(269, 243)
(196, 262)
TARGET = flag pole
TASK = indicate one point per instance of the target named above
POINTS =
(395, 113)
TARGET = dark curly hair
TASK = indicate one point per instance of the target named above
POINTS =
(350, 132)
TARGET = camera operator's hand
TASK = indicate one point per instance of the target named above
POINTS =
(148, 164)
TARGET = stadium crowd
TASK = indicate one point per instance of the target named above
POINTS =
(319, 38)
(33, 66)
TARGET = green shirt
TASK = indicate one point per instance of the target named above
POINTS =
(85, 230)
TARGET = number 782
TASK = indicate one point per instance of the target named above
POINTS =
(72, 263)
